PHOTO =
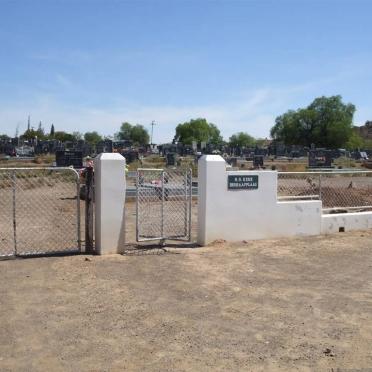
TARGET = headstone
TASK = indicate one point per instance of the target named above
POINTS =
(130, 156)
(171, 159)
(194, 145)
(69, 158)
(104, 146)
(258, 161)
(320, 158)
(233, 162)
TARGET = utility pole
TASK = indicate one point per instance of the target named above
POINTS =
(152, 130)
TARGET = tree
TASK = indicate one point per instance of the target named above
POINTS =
(135, 133)
(241, 139)
(63, 136)
(4, 137)
(92, 137)
(355, 142)
(124, 132)
(31, 134)
(198, 130)
(51, 135)
(139, 135)
(326, 122)
(214, 135)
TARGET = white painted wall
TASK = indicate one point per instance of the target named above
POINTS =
(331, 223)
(248, 214)
(109, 178)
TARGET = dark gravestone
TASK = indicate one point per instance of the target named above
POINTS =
(258, 161)
(130, 156)
(69, 158)
(171, 159)
(320, 158)
(104, 146)
(234, 162)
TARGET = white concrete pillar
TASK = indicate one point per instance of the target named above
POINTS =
(211, 183)
(109, 177)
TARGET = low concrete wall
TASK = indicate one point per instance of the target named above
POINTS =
(248, 213)
(332, 223)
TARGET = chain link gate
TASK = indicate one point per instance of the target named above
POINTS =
(163, 204)
(39, 211)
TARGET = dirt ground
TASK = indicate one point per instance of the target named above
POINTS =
(290, 304)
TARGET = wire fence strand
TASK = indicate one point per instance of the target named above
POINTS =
(336, 189)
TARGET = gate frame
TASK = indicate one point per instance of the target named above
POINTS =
(188, 203)
(12, 172)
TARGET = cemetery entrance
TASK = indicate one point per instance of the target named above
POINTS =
(39, 211)
(163, 204)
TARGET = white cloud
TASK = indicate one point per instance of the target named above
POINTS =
(249, 114)
(254, 112)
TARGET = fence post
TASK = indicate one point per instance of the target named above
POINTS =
(89, 247)
(162, 206)
(14, 184)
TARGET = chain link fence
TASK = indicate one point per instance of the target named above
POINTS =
(336, 189)
(163, 204)
(39, 211)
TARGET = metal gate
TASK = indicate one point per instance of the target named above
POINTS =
(39, 211)
(163, 204)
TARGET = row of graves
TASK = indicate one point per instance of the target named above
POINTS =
(8, 146)
(74, 156)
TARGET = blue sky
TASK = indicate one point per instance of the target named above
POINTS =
(90, 65)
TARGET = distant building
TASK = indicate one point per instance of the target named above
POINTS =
(365, 131)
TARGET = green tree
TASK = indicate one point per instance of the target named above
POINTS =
(135, 133)
(63, 136)
(52, 130)
(31, 134)
(124, 132)
(355, 142)
(326, 122)
(139, 135)
(198, 130)
(4, 137)
(241, 139)
(214, 135)
(92, 137)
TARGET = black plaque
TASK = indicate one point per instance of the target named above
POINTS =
(240, 182)
(68, 158)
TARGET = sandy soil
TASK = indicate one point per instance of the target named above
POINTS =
(290, 304)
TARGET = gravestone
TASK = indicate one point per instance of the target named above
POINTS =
(171, 159)
(104, 146)
(258, 161)
(69, 158)
(130, 156)
(320, 158)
